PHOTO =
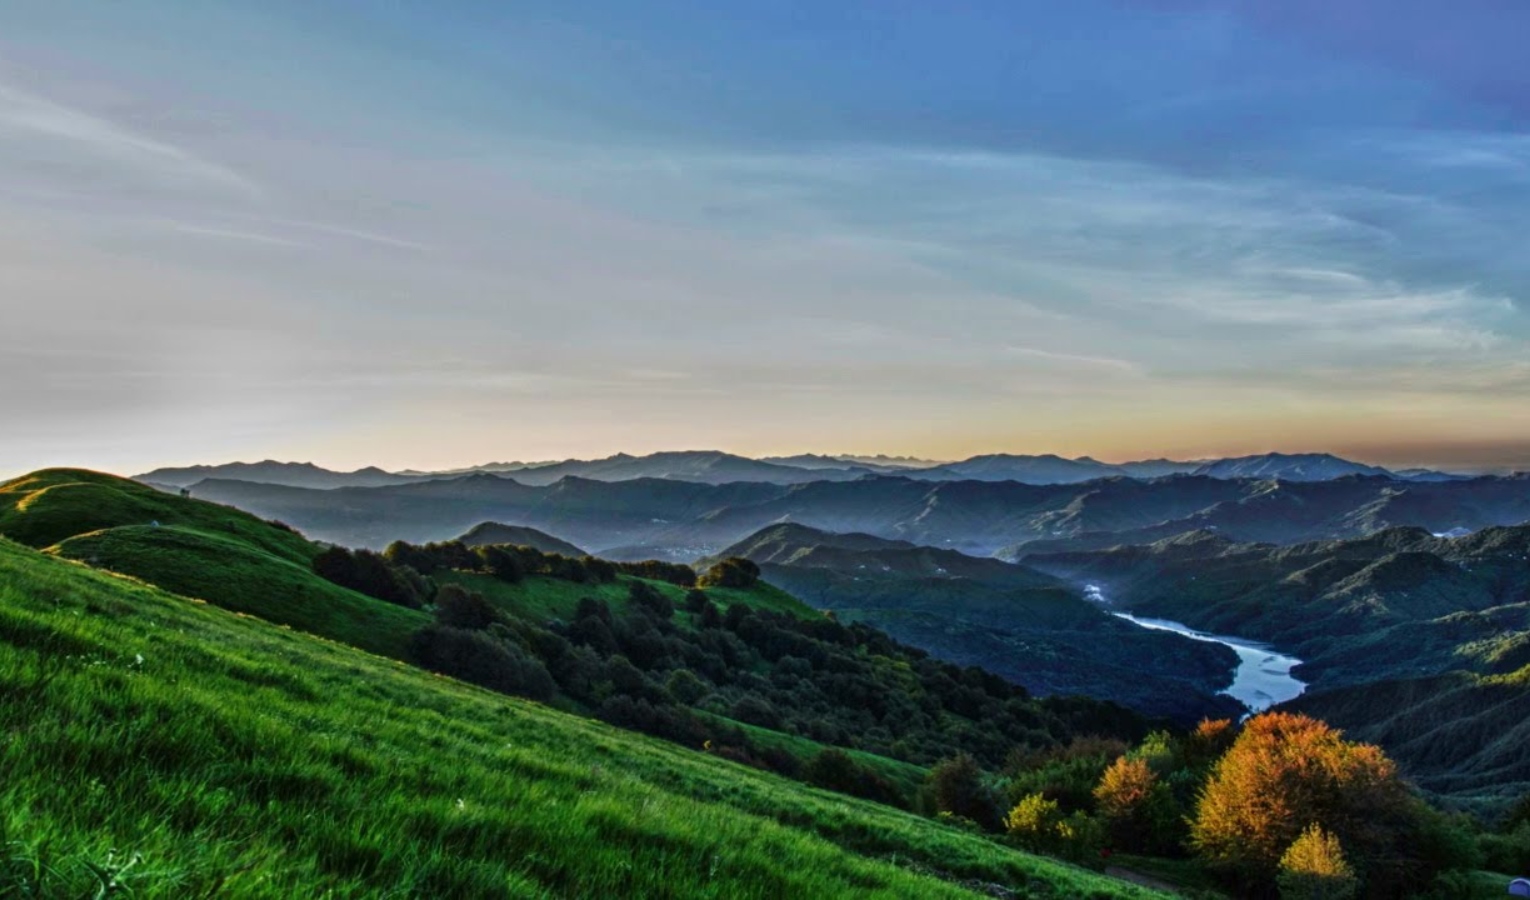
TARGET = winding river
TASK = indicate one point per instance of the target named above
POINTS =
(1263, 677)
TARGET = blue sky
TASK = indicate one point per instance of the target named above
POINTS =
(430, 234)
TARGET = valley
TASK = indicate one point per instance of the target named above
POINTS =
(1398, 635)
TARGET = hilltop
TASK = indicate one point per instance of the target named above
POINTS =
(486, 533)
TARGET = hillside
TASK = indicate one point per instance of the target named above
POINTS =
(200, 550)
(633, 644)
(518, 535)
(1401, 602)
(1459, 735)
(1416, 642)
(1009, 619)
(219, 754)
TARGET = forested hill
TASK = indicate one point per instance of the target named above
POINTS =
(1032, 628)
(717, 660)
(1418, 642)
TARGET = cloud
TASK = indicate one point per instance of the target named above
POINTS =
(1081, 361)
(41, 129)
(1126, 260)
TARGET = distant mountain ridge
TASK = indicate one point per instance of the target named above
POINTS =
(290, 474)
(1293, 467)
(718, 467)
(682, 520)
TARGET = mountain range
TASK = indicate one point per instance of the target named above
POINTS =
(717, 467)
(683, 520)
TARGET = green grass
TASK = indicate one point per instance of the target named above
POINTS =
(538, 598)
(230, 573)
(907, 777)
(52, 505)
(234, 758)
(200, 550)
(1484, 885)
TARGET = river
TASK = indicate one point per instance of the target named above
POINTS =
(1263, 677)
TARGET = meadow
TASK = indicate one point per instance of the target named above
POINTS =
(160, 747)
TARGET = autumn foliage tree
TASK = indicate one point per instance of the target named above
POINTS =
(1286, 773)
(1136, 808)
(1314, 868)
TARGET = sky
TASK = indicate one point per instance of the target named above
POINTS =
(432, 233)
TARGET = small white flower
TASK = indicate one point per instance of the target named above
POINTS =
(137, 659)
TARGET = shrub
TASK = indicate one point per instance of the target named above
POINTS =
(457, 607)
(733, 572)
(1136, 809)
(960, 789)
(1314, 868)
(482, 659)
(1035, 823)
(685, 687)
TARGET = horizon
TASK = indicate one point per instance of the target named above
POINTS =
(932, 462)
(1165, 228)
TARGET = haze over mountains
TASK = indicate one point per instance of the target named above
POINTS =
(717, 467)
(682, 520)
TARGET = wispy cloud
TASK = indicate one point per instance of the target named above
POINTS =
(1079, 360)
(29, 121)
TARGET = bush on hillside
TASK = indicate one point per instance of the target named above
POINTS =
(457, 607)
(372, 574)
(961, 789)
(1314, 868)
(733, 572)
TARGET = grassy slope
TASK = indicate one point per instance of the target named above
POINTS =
(539, 599)
(52, 505)
(214, 553)
(232, 574)
(235, 755)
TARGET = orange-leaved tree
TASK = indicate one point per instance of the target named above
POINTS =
(1287, 772)
(1137, 808)
(1314, 868)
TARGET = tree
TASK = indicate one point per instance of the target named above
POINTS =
(644, 596)
(1286, 773)
(459, 608)
(733, 572)
(1036, 824)
(500, 563)
(1138, 810)
(1314, 868)
(685, 687)
(961, 790)
(696, 601)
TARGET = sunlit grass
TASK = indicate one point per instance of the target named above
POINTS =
(222, 755)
